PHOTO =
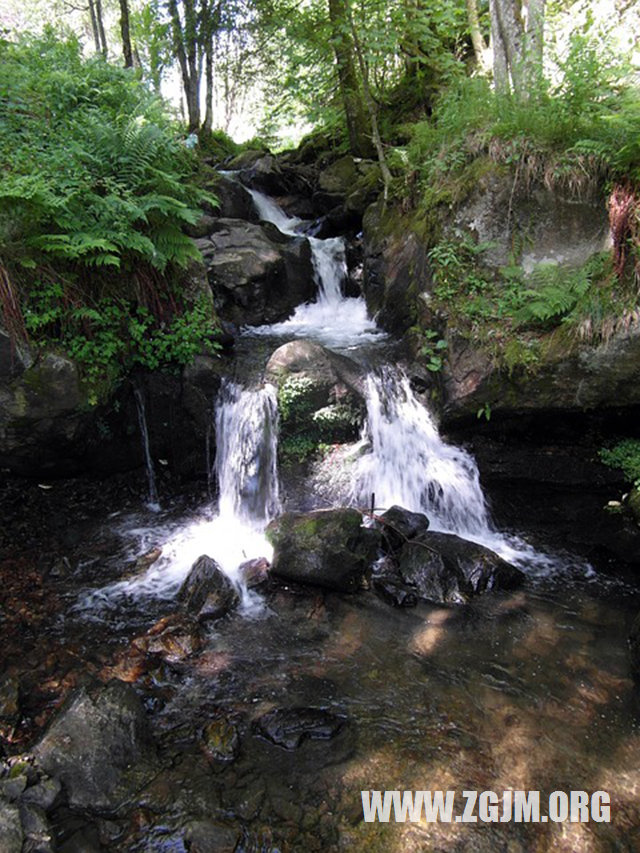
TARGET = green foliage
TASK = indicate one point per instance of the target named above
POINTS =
(555, 292)
(306, 429)
(571, 133)
(94, 175)
(113, 336)
(624, 455)
(484, 412)
(433, 350)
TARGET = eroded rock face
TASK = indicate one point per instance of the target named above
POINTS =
(590, 377)
(326, 548)
(257, 275)
(100, 748)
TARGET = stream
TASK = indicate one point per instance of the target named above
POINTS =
(523, 690)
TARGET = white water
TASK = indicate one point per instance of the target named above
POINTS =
(333, 319)
(409, 465)
(245, 467)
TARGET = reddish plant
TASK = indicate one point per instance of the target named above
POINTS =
(12, 317)
(624, 219)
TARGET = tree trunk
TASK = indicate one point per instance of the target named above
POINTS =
(103, 38)
(185, 48)
(343, 48)
(534, 45)
(207, 124)
(126, 35)
(94, 25)
(371, 107)
(477, 39)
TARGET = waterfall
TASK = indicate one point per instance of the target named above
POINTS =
(245, 468)
(144, 432)
(333, 319)
(409, 464)
(246, 457)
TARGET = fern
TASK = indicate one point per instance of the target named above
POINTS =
(555, 293)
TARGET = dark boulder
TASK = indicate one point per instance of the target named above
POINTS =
(447, 569)
(399, 524)
(257, 274)
(100, 748)
(234, 200)
(289, 727)
(327, 548)
(207, 592)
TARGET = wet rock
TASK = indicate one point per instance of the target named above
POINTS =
(172, 638)
(257, 274)
(9, 700)
(45, 794)
(254, 572)
(399, 524)
(327, 548)
(221, 740)
(234, 201)
(11, 835)
(207, 592)
(11, 789)
(289, 727)
(204, 836)
(355, 182)
(321, 397)
(36, 828)
(390, 587)
(99, 747)
(446, 569)
(396, 269)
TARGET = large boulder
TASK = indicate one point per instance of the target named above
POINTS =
(579, 379)
(257, 275)
(326, 548)
(100, 748)
(320, 397)
(207, 592)
(437, 567)
(41, 412)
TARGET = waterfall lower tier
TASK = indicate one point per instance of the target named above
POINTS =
(410, 465)
(246, 457)
(246, 471)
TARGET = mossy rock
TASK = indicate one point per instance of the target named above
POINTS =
(326, 548)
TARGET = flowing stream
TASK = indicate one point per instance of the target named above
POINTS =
(527, 690)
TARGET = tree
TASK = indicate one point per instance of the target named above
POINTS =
(350, 88)
(126, 34)
(517, 37)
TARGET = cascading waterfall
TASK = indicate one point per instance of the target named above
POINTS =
(146, 449)
(410, 465)
(246, 471)
(247, 450)
(333, 319)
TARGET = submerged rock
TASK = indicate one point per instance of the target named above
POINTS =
(289, 727)
(100, 748)
(634, 648)
(221, 741)
(204, 836)
(207, 592)
(327, 548)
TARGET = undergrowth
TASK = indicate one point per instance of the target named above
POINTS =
(98, 186)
